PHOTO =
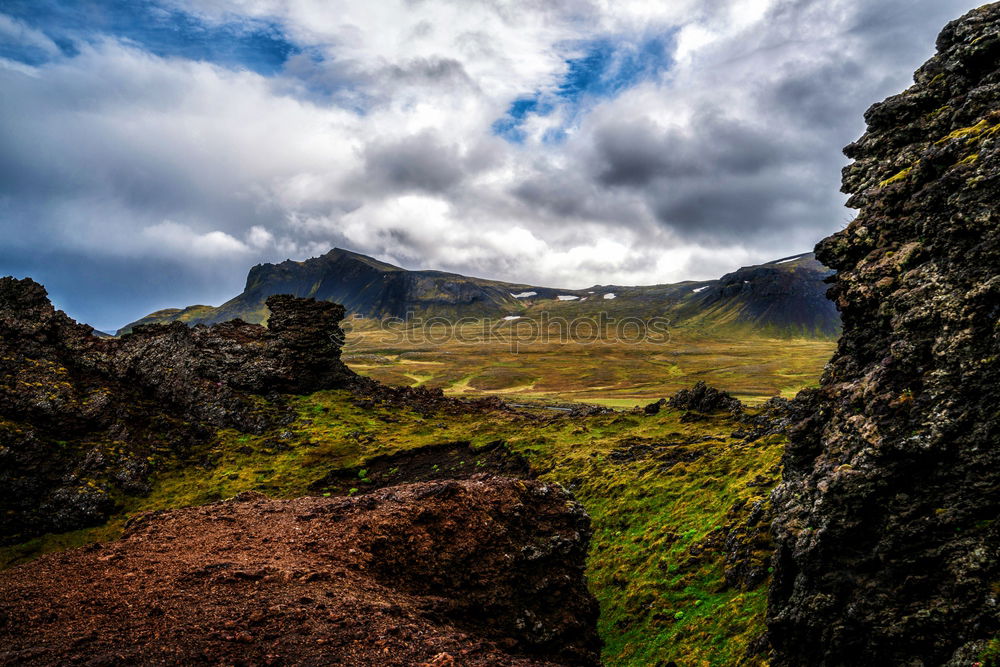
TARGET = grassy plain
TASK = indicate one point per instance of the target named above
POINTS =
(468, 362)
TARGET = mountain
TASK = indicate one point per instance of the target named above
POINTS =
(363, 285)
(785, 297)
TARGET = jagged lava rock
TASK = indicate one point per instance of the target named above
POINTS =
(487, 571)
(79, 414)
(704, 398)
(886, 522)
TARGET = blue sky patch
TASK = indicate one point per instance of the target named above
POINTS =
(252, 44)
(509, 127)
(605, 68)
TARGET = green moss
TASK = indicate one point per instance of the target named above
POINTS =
(656, 564)
(937, 112)
(898, 177)
(649, 521)
(979, 132)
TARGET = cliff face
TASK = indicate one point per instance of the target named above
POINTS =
(886, 532)
(83, 418)
(487, 571)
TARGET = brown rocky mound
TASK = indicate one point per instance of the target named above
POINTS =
(487, 571)
(886, 523)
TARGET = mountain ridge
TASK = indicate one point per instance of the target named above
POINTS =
(781, 298)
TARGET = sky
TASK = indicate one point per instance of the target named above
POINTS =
(152, 151)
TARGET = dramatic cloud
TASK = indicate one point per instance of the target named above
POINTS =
(150, 152)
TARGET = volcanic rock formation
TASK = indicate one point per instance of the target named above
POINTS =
(703, 398)
(81, 416)
(486, 571)
(886, 523)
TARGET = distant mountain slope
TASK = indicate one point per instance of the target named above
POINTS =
(781, 298)
(787, 295)
(363, 285)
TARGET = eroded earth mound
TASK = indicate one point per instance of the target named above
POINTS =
(487, 571)
(886, 531)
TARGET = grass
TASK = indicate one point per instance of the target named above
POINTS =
(612, 374)
(656, 564)
(990, 656)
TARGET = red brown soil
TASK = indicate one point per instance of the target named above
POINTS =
(486, 571)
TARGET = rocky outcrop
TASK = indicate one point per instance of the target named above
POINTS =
(370, 393)
(447, 460)
(82, 417)
(886, 522)
(703, 398)
(486, 571)
(205, 370)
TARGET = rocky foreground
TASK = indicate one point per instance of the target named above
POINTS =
(886, 523)
(486, 571)
(884, 531)
(86, 420)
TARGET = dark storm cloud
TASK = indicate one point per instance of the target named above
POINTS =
(362, 86)
(769, 165)
(558, 195)
(637, 153)
(431, 70)
(423, 162)
(634, 154)
(713, 216)
(426, 162)
(562, 199)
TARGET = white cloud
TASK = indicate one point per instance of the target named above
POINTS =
(377, 137)
(173, 238)
(259, 238)
(14, 32)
